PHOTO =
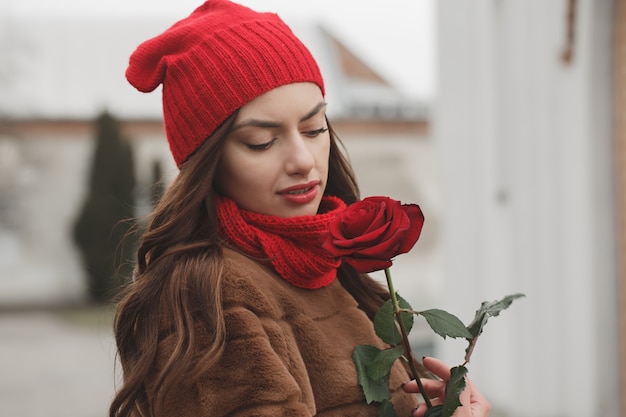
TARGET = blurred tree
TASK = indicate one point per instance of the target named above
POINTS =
(158, 186)
(102, 230)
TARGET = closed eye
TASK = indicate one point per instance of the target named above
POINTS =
(314, 133)
(261, 146)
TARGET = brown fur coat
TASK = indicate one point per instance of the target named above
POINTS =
(288, 352)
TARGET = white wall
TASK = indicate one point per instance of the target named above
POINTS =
(43, 184)
(525, 155)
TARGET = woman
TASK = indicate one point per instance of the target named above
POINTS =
(235, 309)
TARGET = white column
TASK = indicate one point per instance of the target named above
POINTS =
(524, 151)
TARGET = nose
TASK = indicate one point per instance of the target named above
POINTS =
(299, 159)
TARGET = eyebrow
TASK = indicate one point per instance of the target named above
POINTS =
(271, 124)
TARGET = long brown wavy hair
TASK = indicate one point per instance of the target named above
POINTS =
(179, 264)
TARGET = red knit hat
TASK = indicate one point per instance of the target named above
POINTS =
(213, 62)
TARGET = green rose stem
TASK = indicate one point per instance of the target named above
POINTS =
(405, 338)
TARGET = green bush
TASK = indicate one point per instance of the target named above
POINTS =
(102, 229)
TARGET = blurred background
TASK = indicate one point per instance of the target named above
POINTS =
(502, 119)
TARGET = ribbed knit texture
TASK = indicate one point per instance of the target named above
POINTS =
(213, 62)
(292, 245)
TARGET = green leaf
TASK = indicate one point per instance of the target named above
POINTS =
(445, 324)
(373, 367)
(386, 410)
(454, 387)
(385, 325)
(380, 367)
(489, 309)
(486, 310)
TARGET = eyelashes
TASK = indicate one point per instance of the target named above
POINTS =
(314, 133)
(262, 146)
(310, 134)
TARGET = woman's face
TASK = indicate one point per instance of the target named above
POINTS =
(275, 159)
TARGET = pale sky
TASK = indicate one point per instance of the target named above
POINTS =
(395, 37)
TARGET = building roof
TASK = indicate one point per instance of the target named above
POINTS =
(73, 69)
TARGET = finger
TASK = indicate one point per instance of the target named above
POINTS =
(473, 403)
(437, 367)
(420, 410)
(478, 403)
(432, 387)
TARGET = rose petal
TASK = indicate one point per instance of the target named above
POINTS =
(365, 265)
(414, 212)
(370, 232)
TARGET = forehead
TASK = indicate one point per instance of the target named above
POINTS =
(284, 101)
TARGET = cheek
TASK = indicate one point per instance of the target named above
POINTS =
(323, 155)
(230, 174)
(235, 178)
(246, 178)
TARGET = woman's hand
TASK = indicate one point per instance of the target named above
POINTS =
(473, 403)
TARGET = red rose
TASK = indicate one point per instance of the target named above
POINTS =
(370, 232)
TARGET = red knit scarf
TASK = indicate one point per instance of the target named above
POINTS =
(292, 245)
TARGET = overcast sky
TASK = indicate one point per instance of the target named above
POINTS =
(396, 37)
